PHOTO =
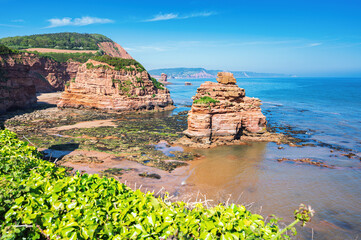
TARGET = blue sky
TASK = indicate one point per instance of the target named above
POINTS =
(306, 38)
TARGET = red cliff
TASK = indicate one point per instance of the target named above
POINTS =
(102, 86)
(17, 87)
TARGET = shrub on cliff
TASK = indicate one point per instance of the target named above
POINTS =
(65, 57)
(40, 201)
(120, 63)
(5, 50)
(156, 83)
(205, 100)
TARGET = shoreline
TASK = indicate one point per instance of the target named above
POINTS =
(181, 181)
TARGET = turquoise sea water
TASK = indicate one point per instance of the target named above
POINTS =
(325, 112)
(328, 109)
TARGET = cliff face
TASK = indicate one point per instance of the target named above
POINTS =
(113, 49)
(49, 75)
(17, 87)
(221, 114)
(98, 85)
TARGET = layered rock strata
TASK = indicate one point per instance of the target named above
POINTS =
(17, 88)
(222, 114)
(99, 86)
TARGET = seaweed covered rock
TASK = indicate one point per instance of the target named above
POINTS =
(115, 84)
(222, 114)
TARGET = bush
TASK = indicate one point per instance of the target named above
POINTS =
(5, 50)
(40, 201)
(120, 63)
(205, 100)
(157, 84)
(65, 57)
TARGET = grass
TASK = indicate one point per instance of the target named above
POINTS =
(205, 100)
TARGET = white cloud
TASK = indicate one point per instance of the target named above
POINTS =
(169, 16)
(314, 44)
(60, 22)
(162, 17)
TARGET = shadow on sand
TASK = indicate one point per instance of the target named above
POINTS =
(58, 151)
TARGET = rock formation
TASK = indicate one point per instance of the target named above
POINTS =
(17, 88)
(49, 75)
(101, 86)
(222, 114)
(163, 77)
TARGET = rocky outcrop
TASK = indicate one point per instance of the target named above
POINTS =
(163, 77)
(222, 114)
(113, 49)
(17, 88)
(100, 86)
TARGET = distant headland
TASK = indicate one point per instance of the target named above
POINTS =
(205, 73)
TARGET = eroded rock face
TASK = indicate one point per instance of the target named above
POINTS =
(17, 88)
(113, 49)
(49, 75)
(226, 115)
(98, 85)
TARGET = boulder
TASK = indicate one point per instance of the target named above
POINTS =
(226, 78)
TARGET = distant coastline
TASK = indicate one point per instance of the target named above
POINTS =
(185, 73)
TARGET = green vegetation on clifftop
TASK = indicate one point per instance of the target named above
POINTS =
(41, 201)
(65, 57)
(120, 63)
(66, 40)
(5, 50)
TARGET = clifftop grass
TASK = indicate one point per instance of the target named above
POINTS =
(41, 201)
(119, 63)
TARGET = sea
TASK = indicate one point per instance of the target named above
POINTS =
(325, 113)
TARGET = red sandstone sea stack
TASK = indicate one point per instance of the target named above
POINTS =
(101, 86)
(222, 114)
(163, 77)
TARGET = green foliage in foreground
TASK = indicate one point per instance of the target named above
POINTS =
(205, 100)
(65, 57)
(65, 40)
(40, 201)
(119, 63)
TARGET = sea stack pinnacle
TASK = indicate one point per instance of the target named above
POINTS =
(222, 114)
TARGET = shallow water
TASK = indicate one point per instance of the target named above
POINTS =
(328, 110)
